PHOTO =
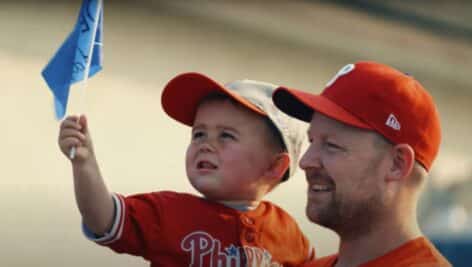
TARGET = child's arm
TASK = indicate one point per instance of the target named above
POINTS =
(94, 201)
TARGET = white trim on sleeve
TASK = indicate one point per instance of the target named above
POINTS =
(117, 227)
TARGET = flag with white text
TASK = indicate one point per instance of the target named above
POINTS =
(79, 57)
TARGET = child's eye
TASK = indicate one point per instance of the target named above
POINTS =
(197, 135)
(227, 135)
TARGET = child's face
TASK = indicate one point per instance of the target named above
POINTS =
(230, 152)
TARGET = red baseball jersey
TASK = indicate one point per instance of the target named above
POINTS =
(418, 252)
(178, 229)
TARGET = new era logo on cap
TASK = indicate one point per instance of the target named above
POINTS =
(392, 122)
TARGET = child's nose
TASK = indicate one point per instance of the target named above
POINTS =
(206, 146)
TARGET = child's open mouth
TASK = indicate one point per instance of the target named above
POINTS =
(206, 165)
(321, 188)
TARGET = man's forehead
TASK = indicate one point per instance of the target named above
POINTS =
(324, 124)
(320, 121)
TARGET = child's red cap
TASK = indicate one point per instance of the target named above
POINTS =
(183, 93)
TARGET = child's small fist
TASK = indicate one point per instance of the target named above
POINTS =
(73, 132)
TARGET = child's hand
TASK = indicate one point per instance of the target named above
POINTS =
(74, 133)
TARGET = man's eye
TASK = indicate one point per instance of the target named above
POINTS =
(332, 146)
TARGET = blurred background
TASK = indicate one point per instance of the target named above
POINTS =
(300, 44)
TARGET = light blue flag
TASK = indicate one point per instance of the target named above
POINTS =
(71, 62)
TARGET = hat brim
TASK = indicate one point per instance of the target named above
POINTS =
(302, 105)
(182, 95)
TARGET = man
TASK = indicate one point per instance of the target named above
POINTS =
(374, 134)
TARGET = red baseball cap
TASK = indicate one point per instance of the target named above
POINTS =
(183, 94)
(375, 97)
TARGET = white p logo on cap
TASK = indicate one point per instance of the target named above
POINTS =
(343, 71)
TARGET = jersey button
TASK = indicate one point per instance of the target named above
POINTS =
(248, 220)
(250, 236)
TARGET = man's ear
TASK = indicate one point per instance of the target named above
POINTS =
(403, 160)
(279, 166)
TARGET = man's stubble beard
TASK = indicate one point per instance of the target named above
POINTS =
(352, 218)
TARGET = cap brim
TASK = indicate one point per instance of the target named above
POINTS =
(182, 95)
(301, 105)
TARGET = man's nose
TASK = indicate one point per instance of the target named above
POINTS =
(311, 158)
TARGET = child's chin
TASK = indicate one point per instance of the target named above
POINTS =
(212, 196)
(203, 187)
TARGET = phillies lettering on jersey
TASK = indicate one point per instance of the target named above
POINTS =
(207, 234)
(202, 247)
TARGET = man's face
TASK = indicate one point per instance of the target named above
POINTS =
(344, 168)
(229, 152)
